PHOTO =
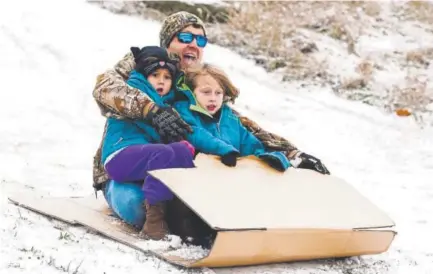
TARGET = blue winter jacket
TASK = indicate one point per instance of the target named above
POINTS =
(122, 133)
(223, 135)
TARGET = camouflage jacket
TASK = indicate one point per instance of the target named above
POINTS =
(116, 99)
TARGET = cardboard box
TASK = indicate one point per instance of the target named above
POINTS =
(261, 215)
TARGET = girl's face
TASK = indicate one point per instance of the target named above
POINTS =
(160, 80)
(209, 93)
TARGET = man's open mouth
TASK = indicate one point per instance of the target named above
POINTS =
(189, 57)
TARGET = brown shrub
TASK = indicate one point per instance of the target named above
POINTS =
(414, 95)
(420, 56)
(417, 10)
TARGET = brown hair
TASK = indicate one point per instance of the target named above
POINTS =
(191, 73)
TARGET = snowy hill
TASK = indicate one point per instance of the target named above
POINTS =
(50, 128)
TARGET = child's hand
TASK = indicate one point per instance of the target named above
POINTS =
(168, 124)
(230, 159)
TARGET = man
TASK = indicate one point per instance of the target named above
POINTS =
(182, 34)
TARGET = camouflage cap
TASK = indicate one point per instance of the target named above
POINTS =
(176, 22)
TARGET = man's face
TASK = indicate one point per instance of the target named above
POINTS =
(190, 54)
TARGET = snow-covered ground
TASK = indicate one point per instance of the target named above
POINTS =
(50, 128)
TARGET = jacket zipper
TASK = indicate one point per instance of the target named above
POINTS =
(219, 122)
(118, 141)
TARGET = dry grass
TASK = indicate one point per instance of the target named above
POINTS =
(420, 56)
(414, 96)
(268, 31)
(370, 8)
(271, 30)
(354, 83)
(418, 10)
(365, 70)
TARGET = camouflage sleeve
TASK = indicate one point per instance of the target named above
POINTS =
(270, 140)
(115, 98)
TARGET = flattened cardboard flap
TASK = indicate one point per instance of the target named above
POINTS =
(231, 248)
(254, 196)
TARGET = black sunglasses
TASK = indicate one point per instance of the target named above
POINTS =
(188, 37)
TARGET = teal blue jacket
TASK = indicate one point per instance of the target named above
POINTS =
(222, 135)
(122, 133)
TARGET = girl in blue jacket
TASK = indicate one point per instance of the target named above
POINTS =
(131, 148)
(216, 130)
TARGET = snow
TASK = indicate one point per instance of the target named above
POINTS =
(51, 53)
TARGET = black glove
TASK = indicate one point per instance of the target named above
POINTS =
(273, 162)
(196, 152)
(311, 162)
(230, 159)
(168, 124)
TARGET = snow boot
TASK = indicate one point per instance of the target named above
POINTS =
(155, 227)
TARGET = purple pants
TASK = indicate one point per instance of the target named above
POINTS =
(133, 163)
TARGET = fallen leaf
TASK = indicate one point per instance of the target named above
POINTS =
(402, 112)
